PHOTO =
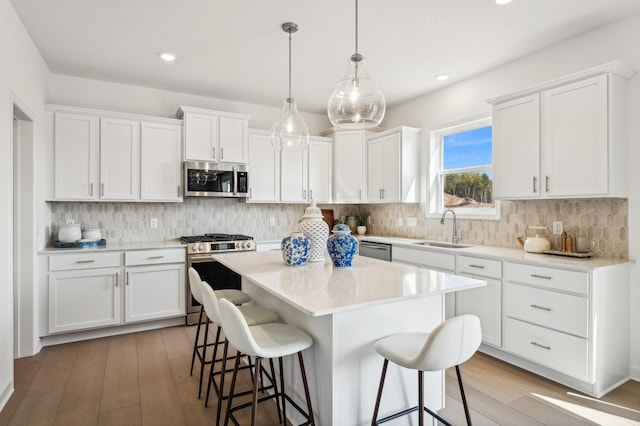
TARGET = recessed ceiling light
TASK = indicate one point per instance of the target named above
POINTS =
(501, 2)
(169, 57)
(442, 77)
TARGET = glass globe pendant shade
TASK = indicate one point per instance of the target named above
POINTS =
(290, 132)
(356, 102)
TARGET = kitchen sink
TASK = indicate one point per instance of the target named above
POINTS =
(442, 244)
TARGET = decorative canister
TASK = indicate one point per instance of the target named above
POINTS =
(342, 246)
(317, 230)
(69, 233)
(295, 249)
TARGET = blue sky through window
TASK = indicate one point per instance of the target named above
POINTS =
(468, 149)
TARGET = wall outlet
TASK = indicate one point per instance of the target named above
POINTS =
(412, 221)
(399, 220)
(272, 221)
(557, 227)
(153, 223)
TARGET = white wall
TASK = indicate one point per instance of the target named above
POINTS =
(618, 41)
(23, 79)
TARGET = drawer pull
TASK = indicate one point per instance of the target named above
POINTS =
(85, 261)
(476, 266)
(544, 308)
(544, 277)
(155, 257)
(534, 343)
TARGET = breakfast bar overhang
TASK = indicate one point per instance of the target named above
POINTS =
(346, 310)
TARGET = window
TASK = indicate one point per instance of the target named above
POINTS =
(461, 169)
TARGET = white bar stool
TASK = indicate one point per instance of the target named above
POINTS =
(252, 315)
(269, 341)
(200, 350)
(449, 344)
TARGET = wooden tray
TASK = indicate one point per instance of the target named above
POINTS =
(564, 253)
(327, 216)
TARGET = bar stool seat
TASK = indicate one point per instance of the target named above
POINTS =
(265, 341)
(450, 344)
(237, 297)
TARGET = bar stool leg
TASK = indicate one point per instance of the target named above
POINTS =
(233, 389)
(374, 420)
(274, 382)
(254, 403)
(306, 389)
(464, 398)
(421, 397)
(195, 343)
(204, 357)
(284, 402)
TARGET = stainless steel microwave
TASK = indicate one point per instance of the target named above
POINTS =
(205, 179)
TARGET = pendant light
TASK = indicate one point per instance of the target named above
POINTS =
(356, 102)
(290, 132)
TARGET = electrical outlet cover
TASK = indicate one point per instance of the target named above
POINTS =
(557, 227)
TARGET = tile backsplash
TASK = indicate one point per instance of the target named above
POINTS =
(602, 220)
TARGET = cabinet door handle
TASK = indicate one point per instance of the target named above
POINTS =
(250, 193)
(304, 194)
(544, 308)
(546, 183)
(116, 277)
(311, 194)
(155, 257)
(179, 190)
(544, 277)
(476, 266)
(535, 188)
(534, 343)
(221, 153)
(85, 261)
(360, 194)
(126, 280)
(214, 152)
(91, 189)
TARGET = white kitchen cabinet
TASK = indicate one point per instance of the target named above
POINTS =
(155, 285)
(563, 139)
(320, 169)
(294, 169)
(110, 156)
(215, 135)
(483, 302)
(119, 159)
(161, 162)
(84, 291)
(349, 161)
(264, 169)
(75, 156)
(393, 164)
(100, 289)
(573, 325)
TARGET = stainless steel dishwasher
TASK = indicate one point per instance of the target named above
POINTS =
(376, 250)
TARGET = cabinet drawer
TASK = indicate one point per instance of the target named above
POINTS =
(153, 257)
(424, 258)
(573, 281)
(71, 261)
(478, 266)
(561, 352)
(559, 311)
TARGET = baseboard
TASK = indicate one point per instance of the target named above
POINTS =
(58, 339)
(6, 392)
(634, 372)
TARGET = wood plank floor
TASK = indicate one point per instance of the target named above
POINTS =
(143, 379)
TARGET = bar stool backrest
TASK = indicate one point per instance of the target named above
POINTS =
(211, 303)
(451, 343)
(195, 284)
(236, 329)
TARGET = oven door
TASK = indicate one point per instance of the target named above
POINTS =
(215, 274)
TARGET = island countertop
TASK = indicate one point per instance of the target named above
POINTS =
(319, 288)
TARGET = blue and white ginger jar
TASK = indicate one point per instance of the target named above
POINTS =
(295, 249)
(342, 246)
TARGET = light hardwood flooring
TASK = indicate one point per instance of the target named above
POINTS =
(143, 379)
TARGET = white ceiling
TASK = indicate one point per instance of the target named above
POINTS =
(236, 49)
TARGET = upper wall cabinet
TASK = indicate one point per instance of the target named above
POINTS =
(350, 166)
(215, 135)
(392, 164)
(563, 139)
(107, 156)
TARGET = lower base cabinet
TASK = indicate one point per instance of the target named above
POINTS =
(101, 289)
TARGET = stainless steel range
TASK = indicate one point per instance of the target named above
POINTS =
(199, 251)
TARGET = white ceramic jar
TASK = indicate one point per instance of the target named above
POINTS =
(92, 234)
(316, 230)
(69, 233)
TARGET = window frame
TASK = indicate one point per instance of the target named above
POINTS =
(436, 176)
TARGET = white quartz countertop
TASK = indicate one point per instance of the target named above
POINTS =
(319, 288)
(143, 245)
(503, 253)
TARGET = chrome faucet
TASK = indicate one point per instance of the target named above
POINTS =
(454, 236)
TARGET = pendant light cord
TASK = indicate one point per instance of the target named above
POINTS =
(356, 26)
(289, 64)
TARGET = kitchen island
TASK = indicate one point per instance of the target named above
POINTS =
(346, 310)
